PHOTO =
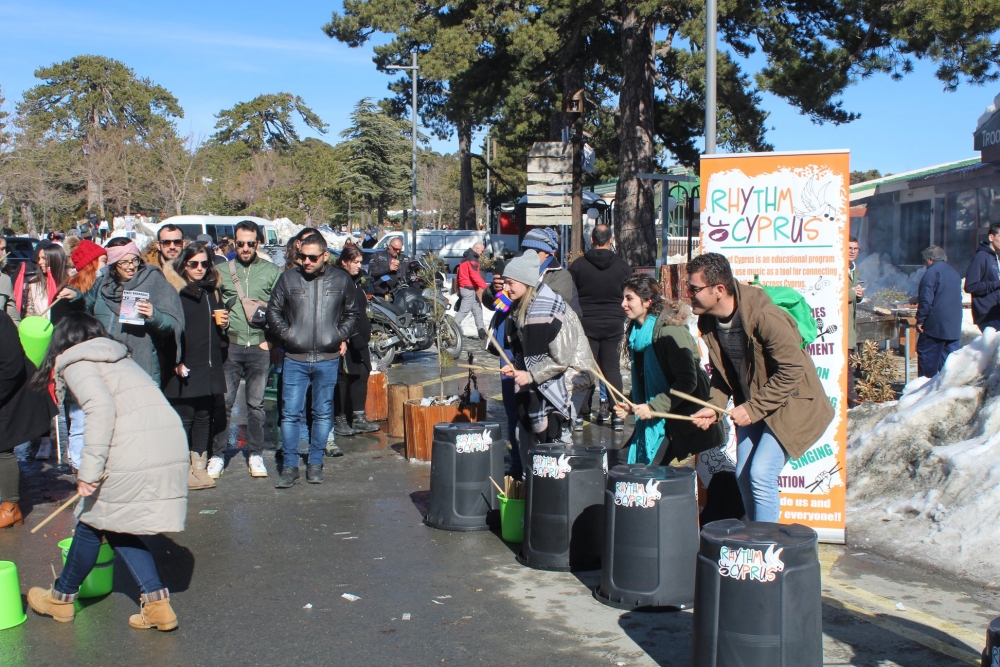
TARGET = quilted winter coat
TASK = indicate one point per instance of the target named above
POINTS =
(132, 433)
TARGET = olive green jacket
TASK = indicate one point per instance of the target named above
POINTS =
(257, 281)
(678, 355)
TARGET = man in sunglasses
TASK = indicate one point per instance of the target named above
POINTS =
(391, 262)
(313, 310)
(247, 283)
(168, 246)
(755, 350)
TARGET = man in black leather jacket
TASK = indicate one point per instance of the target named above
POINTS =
(312, 311)
(391, 262)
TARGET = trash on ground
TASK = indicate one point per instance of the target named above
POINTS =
(308, 606)
(352, 537)
(346, 532)
(406, 616)
(437, 602)
(899, 606)
(443, 597)
(351, 596)
(208, 511)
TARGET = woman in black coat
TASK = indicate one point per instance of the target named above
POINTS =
(356, 365)
(24, 414)
(197, 387)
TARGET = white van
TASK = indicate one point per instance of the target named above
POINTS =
(218, 226)
(449, 244)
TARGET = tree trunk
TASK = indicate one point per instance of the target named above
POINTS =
(634, 224)
(29, 220)
(467, 194)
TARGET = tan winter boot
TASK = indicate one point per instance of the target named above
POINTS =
(155, 612)
(198, 476)
(48, 602)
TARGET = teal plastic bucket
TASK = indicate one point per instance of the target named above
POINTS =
(511, 519)
(101, 578)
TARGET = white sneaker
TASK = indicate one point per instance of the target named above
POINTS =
(257, 468)
(44, 450)
(216, 464)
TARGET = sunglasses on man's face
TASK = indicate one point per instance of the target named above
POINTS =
(194, 264)
(311, 258)
(177, 243)
(246, 244)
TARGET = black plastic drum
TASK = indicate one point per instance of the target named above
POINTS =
(463, 457)
(991, 654)
(757, 596)
(650, 538)
(564, 508)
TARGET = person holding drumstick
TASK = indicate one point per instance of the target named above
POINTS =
(552, 357)
(664, 356)
(757, 359)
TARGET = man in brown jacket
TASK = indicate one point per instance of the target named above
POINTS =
(757, 359)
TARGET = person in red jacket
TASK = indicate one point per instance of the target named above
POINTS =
(470, 288)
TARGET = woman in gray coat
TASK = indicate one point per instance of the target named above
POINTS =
(133, 472)
(155, 328)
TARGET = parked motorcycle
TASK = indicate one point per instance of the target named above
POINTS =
(404, 322)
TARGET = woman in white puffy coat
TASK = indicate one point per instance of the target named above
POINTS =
(133, 472)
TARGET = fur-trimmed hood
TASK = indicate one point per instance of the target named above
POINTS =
(676, 313)
(152, 257)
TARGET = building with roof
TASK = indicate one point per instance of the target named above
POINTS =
(950, 205)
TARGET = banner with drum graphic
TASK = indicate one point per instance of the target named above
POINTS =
(782, 219)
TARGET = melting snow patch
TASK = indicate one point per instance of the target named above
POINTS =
(925, 476)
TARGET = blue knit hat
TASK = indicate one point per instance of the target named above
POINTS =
(544, 239)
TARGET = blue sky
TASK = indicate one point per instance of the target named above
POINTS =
(212, 54)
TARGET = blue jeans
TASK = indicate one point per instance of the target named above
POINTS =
(296, 378)
(759, 460)
(75, 449)
(83, 556)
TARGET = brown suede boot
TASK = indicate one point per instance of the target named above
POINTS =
(10, 515)
(155, 612)
(48, 602)
(198, 476)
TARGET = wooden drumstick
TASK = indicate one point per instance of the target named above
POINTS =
(698, 401)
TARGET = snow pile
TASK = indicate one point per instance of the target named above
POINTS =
(879, 273)
(285, 229)
(925, 478)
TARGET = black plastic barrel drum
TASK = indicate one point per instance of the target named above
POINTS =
(991, 654)
(564, 507)
(650, 538)
(463, 458)
(757, 596)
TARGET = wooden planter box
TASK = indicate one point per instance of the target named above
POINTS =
(420, 421)
(398, 395)
(377, 405)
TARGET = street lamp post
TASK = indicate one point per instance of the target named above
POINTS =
(711, 14)
(413, 186)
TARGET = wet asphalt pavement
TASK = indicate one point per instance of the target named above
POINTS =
(258, 577)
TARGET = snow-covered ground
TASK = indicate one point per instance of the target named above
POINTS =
(924, 481)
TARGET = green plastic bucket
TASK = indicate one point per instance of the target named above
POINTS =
(35, 334)
(11, 611)
(100, 579)
(511, 519)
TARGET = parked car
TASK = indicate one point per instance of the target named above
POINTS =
(19, 251)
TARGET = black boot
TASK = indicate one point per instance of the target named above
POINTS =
(341, 427)
(361, 425)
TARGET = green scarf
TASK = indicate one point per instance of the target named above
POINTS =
(649, 433)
